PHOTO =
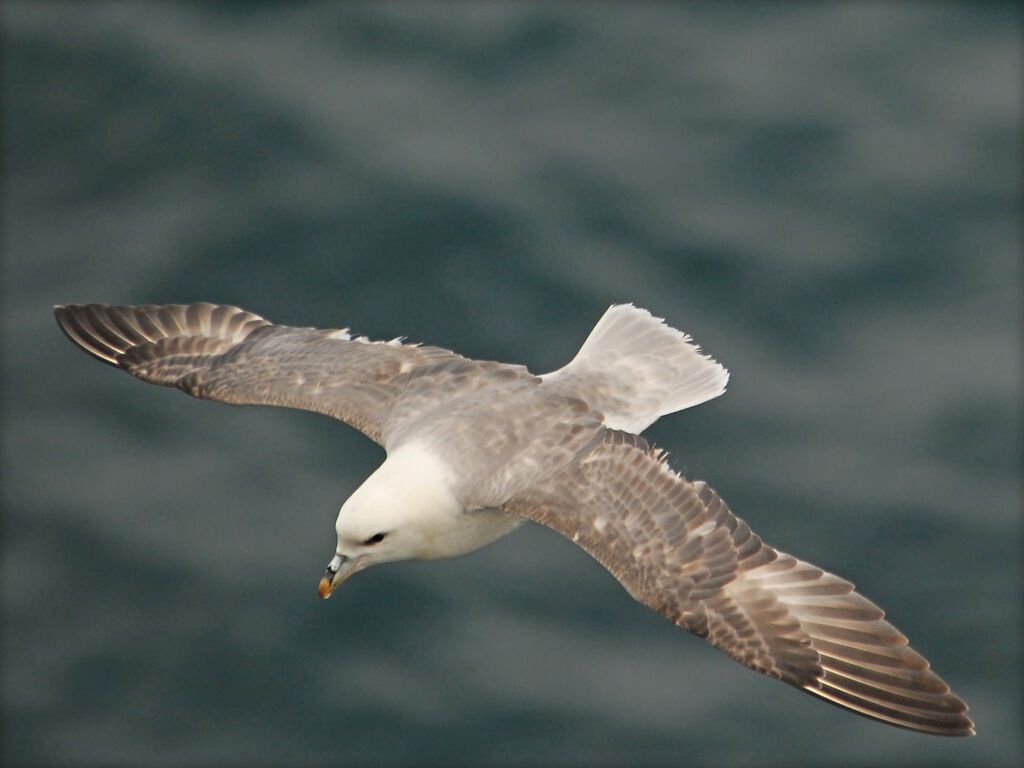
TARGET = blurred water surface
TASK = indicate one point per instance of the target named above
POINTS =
(825, 196)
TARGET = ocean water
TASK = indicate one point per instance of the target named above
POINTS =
(827, 197)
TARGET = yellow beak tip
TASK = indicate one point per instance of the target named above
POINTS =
(325, 588)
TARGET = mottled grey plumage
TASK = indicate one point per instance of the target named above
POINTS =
(550, 449)
(224, 353)
(675, 546)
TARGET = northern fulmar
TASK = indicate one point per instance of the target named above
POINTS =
(475, 448)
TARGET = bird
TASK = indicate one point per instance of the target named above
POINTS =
(475, 448)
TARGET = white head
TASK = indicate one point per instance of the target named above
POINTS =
(404, 511)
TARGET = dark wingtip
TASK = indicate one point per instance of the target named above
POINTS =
(74, 322)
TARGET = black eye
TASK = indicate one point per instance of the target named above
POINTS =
(377, 538)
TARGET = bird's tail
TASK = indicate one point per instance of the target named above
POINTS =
(634, 369)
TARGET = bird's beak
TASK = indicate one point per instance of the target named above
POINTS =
(340, 568)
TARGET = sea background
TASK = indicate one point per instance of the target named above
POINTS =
(826, 196)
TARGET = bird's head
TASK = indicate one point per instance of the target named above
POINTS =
(364, 542)
(403, 511)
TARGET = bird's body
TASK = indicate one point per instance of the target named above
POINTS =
(474, 448)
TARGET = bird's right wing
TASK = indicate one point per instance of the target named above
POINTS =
(220, 352)
(676, 547)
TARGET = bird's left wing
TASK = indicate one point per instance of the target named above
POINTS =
(676, 547)
(221, 352)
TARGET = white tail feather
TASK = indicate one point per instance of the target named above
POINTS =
(634, 368)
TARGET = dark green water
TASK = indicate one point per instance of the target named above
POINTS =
(827, 198)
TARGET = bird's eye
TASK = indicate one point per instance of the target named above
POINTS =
(377, 538)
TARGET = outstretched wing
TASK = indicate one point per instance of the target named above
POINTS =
(224, 353)
(676, 547)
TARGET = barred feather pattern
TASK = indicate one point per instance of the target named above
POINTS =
(675, 546)
(221, 352)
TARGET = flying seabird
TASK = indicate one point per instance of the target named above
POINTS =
(475, 448)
